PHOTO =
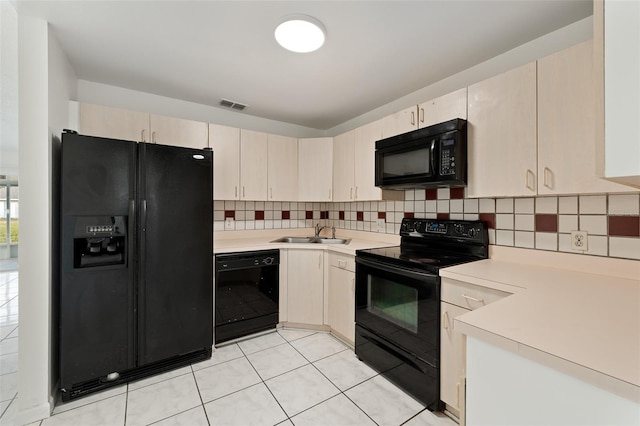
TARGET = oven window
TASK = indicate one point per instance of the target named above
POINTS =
(394, 302)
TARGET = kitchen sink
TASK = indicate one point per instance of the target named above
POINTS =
(312, 240)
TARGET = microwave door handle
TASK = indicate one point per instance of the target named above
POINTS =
(432, 158)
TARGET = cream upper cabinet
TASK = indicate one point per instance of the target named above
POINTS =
(400, 122)
(253, 165)
(444, 108)
(178, 132)
(282, 168)
(566, 115)
(343, 166)
(364, 157)
(305, 286)
(225, 142)
(115, 123)
(315, 166)
(502, 134)
(616, 35)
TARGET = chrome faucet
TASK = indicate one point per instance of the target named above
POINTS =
(333, 232)
(319, 229)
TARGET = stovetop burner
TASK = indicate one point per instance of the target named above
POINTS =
(431, 244)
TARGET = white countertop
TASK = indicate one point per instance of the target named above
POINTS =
(580, 314)
(231, 241)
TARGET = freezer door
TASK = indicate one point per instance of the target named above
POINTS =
(175, 293)
(96, 293)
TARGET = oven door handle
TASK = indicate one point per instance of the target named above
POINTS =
(395, 269)
(397, 354)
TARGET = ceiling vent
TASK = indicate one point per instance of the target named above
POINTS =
(231, 104)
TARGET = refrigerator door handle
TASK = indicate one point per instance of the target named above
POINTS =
(143, 216)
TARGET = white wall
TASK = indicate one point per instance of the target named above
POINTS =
(35, 244)
(504, 388)
(8, 90)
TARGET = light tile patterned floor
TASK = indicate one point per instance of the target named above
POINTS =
(286, 377)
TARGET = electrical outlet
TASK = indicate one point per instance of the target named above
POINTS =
(382, 226)
(228, 223)
(579, 240)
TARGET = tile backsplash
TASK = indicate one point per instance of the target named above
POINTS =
(612, 221)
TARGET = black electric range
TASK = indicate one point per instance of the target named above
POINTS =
(398, 300)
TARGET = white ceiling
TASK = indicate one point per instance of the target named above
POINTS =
(375, 52)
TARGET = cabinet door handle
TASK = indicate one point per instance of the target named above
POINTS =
(356, 193)
(319, 260)
(236, 188)
(353, 285)
(472, 298)
(531, 175)
(421, 115)
(329, 193)
(351, 193)
(153, 137)
(142, 135)
(548, 173)
(243, 194)
(413, 118)
(271, 193)
(445, 320)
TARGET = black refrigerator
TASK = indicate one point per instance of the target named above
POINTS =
(136, 250)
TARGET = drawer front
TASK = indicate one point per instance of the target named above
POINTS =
(469, 296)
(342, 261)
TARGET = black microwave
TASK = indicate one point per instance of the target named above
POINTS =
(435, 156)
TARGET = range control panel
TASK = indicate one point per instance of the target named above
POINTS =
(440, 228)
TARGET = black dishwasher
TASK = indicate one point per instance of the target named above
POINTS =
(246, 293)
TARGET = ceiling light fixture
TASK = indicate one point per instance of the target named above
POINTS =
(300, 33)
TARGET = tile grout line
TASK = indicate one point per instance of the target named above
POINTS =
(193, 373)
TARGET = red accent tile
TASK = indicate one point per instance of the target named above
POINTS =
(324, 215)
(360, 216)
(382, 215)
(309, 214)
(490, 218)
(230, 213)
(259, 214)
(456, 193)
(546, 223)
(286, 215)
(409, 215)
(624, 226)
(443, 216)
(341, 215)
(431, 194)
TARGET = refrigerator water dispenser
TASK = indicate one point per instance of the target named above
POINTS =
(99, 241)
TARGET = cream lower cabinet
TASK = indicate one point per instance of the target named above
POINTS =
(342, 302)
(501, 131)
(116, 123)
(305, 286)
(458, 298)
(315, 166)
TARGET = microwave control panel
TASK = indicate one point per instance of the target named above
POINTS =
(447, 157)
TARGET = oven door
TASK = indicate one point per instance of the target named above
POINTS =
(401, 306)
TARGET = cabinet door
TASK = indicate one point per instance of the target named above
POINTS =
(445, 108)
(315, 178)
(115, 123)
(566, 116)
(178, 132)
(365, 149)
(502, 127)
(343, 170)
(305, 288)
(253, 165)
(342, 302)
(400, 122)
(452, 356)
(282, 165)
(225, 142)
